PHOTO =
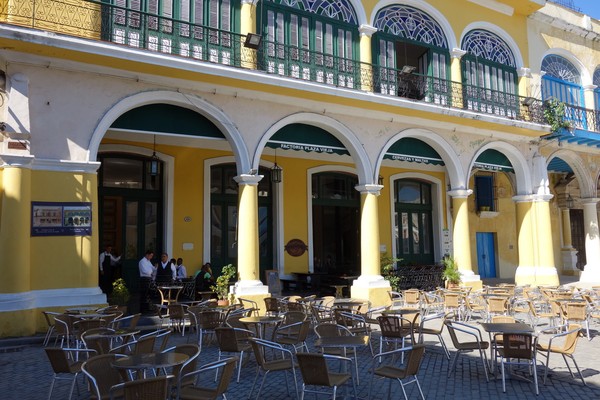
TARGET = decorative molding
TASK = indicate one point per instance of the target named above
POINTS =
(248, 179)
(369, 189)
(367, 30)
(457, 52)
(495, 6)
(51, 298)
(524, 72)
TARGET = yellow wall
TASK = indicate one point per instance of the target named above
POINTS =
(503, 225)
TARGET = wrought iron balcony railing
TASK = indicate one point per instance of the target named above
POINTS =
(96, 20)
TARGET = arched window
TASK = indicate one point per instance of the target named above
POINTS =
(561, 80)
(596, 81)
(412, 54)
(190, 28)
(313, 40)
(489, 74)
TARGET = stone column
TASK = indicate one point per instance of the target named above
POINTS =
(456, 77)
(568, 253)
(590, 104)
(248, 25)
(370, 285)
(534, 232)
(591, 271)
(249, 284)
(461, 237)
(366, 60)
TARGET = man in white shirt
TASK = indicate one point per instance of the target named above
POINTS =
(147, 270)
(180, 268)
(165, 271)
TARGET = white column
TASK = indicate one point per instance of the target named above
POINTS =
(591, 271)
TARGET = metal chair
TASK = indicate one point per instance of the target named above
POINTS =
(518, 349)
(208, 321)
(102, 376)
(316, 372)
(272, 306)
(414, 356)
(234, 340)
(226, 368)
(281, 360)
(433, 324)
(65, 361)
(49, 316)
(475, 344)
(567, 349)
(156, 388)
(192, 351)
(293, 335)
(247, 303)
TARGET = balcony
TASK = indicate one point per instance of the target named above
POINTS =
(122, 26)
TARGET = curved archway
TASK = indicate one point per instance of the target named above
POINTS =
(456, 174)
(432, 11)
(501, 33)
(212, 113)
(586, 77)
(524, 184)
(336, 128)
(587, 183)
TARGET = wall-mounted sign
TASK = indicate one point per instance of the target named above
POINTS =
(61, 219)
(295, 247)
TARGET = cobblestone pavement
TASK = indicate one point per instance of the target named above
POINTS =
(26, 374)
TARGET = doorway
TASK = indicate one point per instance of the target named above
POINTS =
(486, 254)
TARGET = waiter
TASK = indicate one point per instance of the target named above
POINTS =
(108, 263)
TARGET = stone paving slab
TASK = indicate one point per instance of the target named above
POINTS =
(25, 374)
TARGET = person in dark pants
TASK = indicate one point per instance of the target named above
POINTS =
(165, 271)
(108, 264)
(147, 271)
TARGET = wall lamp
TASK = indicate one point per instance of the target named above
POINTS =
(252, 41)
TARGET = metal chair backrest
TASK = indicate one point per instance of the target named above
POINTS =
(313, 368)
(291, 317)
(414, 358)
(210, 319)
(393, 326)
(156, 388)
(230, 339)
(328, 329)
(102, 374)
(518, 345)
(272, 305)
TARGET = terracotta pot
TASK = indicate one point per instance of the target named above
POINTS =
(223, 303)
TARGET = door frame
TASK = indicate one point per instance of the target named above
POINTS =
(492, 246)
(168, 185)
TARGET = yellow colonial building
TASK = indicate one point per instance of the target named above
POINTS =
(294, 136)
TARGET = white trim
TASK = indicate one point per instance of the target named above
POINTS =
(502, 34)
(86, 167)
(168, 191)
(309, 173)
(437, 215)
(278, 211)
(426, 7)
(51, 298)
(586, 77)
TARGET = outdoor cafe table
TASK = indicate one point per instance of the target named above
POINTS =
(125, 334)
(80, 310)
(261, 323)
(503, 327)
(343, 342)
(169, 294)
(143, 362)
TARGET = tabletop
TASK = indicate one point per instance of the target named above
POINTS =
(342, 341)
(117, 333)
(263, 319)
(151, 360)
(507, 327)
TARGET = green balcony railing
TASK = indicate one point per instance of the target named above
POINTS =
(97, 20)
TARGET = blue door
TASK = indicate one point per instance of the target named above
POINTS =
(486, 254)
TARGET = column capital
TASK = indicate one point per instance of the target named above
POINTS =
(530, 198)
(590, 87)
(460, 193)
(18, 161)
(457, 52)
(524, 72)
(589, 200)
(247, 179)
(251, 2)
(369, 189)
(367, 30)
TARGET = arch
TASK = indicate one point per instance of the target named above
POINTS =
(169, 189)
(212, 113)
(456, 174)
(501, 33)
(483, 43)
(437, 212)
(524, 184)
(586, 77)
(342, 10)
(421, 5)
(596, 76)
(560, 68)
(336, 128)
(587, 184)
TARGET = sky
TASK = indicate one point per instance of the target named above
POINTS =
(589, 7)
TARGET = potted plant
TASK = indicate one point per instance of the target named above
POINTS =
(120, 294)
(388, 270)
(555, 114)
(451, 274)
(221, 286)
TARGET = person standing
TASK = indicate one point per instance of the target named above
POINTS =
(108, 263)
(147, 271)
(181, 272)
(165, 271)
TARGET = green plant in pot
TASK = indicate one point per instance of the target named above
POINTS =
(120, 294)
(388, 270)
(555, 114)
(221, 286)
(451, 274)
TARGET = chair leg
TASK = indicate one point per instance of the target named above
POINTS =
(52, 386)
(578, 370)
(72, 387)
(535, 380)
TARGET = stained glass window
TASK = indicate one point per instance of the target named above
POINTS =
(341, 10)
(485, 44)
(561, 68)
(410, 23)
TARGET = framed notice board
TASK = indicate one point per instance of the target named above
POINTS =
(273, 282)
